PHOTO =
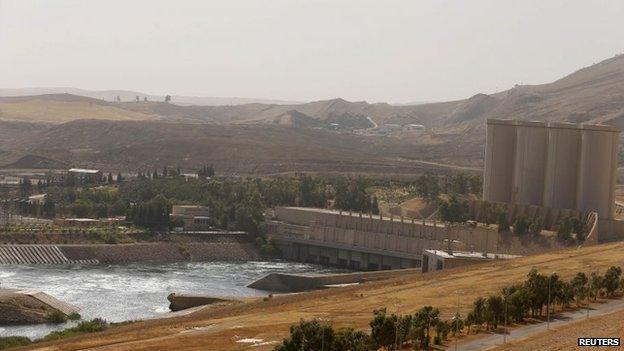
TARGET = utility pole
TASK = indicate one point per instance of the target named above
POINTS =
(505, 332)
(457, 322)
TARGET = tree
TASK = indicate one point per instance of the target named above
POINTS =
(168, 98)
(494, 311)
(454, 210)
(536, 226)
(426, 318)
(375, 206)
(308, 336)
(521, 225)
(564, 229)
(383, 329)
(109, 178)
(611, 281)
(350, 340)
(502, 222)
(596, 283)
(119, 177)
(579, 286)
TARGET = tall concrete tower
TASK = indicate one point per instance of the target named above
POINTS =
(563, 162)
(500, 150)
(597, 176)
(530, 163)
(557, 165)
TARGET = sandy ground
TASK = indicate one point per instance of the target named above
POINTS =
(565, 337)
(222, 328)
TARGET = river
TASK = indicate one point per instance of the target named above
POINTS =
(136, 291)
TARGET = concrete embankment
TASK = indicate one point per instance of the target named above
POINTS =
(162, 252)
(282, 282)
(180, 302)
(29, 306)
(123, 253)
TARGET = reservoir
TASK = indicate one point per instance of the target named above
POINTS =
(136, 291)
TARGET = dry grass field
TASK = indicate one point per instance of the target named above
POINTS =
(565, 337)
(219, 328)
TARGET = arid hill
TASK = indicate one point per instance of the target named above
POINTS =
(258, 136)
(63, 108)
(232, 148)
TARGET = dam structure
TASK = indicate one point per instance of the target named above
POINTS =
(360, 241)
(557, 165)
(554, 166)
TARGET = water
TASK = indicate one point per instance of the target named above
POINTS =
(136, 291)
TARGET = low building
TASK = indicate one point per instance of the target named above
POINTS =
(85, 176)
(89, 222)
(195, 218)
(38, 199)
(435, 260)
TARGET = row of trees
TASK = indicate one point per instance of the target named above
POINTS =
(539, 292)
(430, 186)
(235, 203)
(515, 302)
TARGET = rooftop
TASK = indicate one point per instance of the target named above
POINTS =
(82, 170)
(470, 255)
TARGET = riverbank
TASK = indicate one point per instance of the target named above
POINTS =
(133, 291)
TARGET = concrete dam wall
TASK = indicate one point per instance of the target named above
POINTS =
(125, 253)
(37, 254)
(369, 242)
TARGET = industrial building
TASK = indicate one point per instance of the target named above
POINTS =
(555, 165)
(195, 218)
(85, 176)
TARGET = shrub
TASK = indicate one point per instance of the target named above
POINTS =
(74, 316)
(564, 229)
(94, 325)
(536, 226)
(502, 222)
(13, 341)
(56, 317)
(521, 225)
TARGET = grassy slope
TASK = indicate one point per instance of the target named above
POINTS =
(218, 328)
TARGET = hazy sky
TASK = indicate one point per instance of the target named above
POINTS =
(381, 50)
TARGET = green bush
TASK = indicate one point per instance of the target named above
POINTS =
(74, 316)
(502, 221)
(521, 225)
(536, 226)
(56, 317)
(13, 341)
(94, 325)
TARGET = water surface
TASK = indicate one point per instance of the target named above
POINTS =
(136, 291)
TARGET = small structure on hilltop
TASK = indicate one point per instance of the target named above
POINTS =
(193, 217)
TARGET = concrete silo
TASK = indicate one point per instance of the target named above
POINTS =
(597, 175)
(500, 149)
(530, 163)
(562, 165)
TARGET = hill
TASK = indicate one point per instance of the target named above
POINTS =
(265, 135)
(128, 95)
(232, 148)
(62, 108)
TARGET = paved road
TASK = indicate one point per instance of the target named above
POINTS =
(530, 330)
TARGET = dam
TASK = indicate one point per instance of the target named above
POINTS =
(360, 241)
